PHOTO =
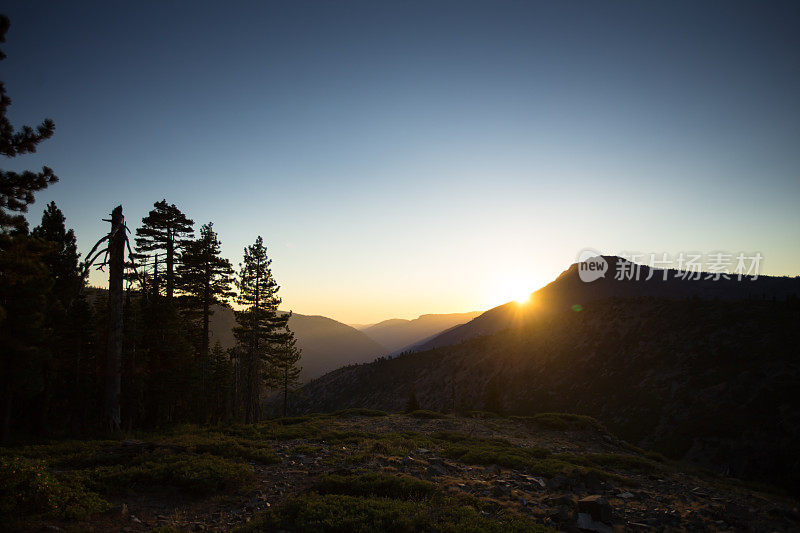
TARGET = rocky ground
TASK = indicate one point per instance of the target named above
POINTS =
(562, 472)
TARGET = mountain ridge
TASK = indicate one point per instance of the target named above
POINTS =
(397, 333)
(568, 289)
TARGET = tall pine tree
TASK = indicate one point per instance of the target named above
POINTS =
(17, 188)
(62, 260)
(205, 279)
(260, 327)
(24, 279)
(283, 371)
(165, 229)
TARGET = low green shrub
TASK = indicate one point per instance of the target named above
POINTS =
(338, 513)
(616, 461)
(202, 474)
(562, 421)
(28, 488)
(423, 413)
(359, 411)
(373, 484)
(487, 453)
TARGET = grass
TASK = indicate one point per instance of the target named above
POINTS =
(562, 421)
(364, 502)
(225, 446)
(373, 484)
(73, 479)
(28, 488)
(199, 474)
(614, 461)
(359, 411)
(423, 413)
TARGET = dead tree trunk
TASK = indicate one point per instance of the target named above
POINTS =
(113, 378)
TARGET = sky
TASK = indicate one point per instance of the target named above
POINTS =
(402, 158)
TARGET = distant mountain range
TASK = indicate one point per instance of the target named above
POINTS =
(398, 334)
(698, 369)
(327, 344)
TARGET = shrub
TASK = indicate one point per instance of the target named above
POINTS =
(202, 474)
(423, 413)
(28, 488)
(487, 452)
(232, 448)
(611, 460)
(563, 421)
(359, 411)
(342, 513)
(373, 484)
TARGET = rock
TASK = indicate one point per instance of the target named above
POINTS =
(501, 489)
(492, 469)
(626, 495)
(436, 469)
(558, 482)
(593, 482)
(135, 520)
(597, 508)
(560, 500)
(535, 482)
(586, 523)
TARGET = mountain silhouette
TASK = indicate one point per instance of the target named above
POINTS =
(396, 333)
(326, 343)
(568, 290)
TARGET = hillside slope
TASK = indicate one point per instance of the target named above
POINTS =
(326, 343)
(710, 381)
(369, 471)
(395, 334)
(568, 290)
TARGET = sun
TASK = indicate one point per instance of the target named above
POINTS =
(511, 289)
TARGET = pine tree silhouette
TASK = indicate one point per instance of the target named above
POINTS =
(260, 326)
(17, 188)
(204, 279)
(165, 229)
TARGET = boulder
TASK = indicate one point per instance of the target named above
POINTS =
(597, 507)
(586, 523)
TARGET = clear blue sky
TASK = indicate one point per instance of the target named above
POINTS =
(402, 158)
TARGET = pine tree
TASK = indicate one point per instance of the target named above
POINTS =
(412, 404)
(17, 188)
(165, 229)
(283, 371)
(62, 260)
(24, 279)
(260, 327)
(219, 378)
(62, 257)
(205, 279)
(165, 359)
(25, 283)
